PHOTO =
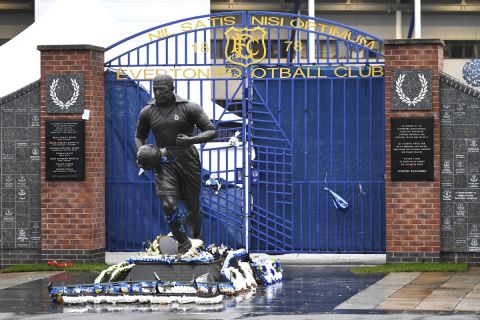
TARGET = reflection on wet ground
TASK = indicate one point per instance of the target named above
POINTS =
(305, 289)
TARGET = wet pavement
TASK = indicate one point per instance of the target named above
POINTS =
(307, 292)
(304, 290)
(421, 292)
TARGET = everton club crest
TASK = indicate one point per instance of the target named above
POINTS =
(245, 46)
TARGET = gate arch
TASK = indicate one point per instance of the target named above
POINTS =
(305, 95)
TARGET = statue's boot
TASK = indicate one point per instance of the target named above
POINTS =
(178, 232)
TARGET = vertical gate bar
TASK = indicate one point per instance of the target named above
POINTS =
(159, 213)
(347, 52)
(309, 216)
(176, 49)
(135, 184)
(111, 165)
(217, 169)
(305, 152)
(292, 120)
(370, 101)
(210, 195)
(124, 148)
(307, 36)
(357, 55)
(382, 178)
(166, 51)
(317, 159)
(152, 197)
(354, 249)
(379, 214)
(305, 128)
(279, 46)
(269, 45)
(147, 48)
(195, 54)
(337, 51)
(142, 210)
(186, 48)
(328, 49)
(246, 154)
(284, 202)
(301, 216)
(205, 59)
(331, 155)
(344, 158)
(357, 133)
(283, 168)
(224, 46)
(213, 53)
(117, 224)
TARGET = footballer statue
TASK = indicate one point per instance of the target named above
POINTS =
(174, 158)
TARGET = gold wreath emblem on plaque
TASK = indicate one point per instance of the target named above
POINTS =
(245, 46)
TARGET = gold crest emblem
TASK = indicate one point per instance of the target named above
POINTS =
(245, 46)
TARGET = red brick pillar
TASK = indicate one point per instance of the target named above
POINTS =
(413, 208)
(73, 212)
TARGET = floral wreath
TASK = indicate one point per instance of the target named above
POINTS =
(58, 102)
(403, 97)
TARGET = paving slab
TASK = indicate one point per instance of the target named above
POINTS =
(399, 304)
(371, 297)
(8, 280)
(468, 305)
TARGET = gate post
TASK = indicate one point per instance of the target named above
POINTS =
(73, 212)
(413, 207)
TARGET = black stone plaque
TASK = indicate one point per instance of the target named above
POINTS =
(65, 150)
(412, 149)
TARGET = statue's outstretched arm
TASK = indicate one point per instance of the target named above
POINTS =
(205, 136)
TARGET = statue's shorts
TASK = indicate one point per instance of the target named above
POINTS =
(180, 177)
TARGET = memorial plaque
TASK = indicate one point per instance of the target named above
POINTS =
(412, 149)
(65, 150)
(460, 171)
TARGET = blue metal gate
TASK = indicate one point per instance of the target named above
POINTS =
(305, 99)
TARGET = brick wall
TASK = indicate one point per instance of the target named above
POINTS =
(413, 208)
(73, 212)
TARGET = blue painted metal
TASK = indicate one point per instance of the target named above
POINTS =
(294, 132)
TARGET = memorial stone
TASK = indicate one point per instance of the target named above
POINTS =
(460, 175)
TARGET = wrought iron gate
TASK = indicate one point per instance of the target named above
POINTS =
(306, 98)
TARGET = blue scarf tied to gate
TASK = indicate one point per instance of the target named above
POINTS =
(338, 202)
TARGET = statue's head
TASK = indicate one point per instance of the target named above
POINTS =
(163, 87)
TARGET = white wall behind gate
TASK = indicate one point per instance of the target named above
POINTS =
(95, 22)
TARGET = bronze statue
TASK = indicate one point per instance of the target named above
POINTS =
(172, 120)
